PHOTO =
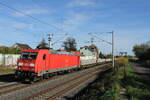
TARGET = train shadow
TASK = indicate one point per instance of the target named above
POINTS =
(7, 78)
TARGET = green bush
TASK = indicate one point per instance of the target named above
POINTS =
(142, 51)
(9, 50)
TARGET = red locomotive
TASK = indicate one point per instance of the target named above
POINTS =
(42, 62)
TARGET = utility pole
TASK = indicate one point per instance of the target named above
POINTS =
(113, 57)
(110, 43)
(50, 36)
(50, 39)
(92, 40)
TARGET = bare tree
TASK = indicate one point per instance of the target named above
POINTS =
(70, 44)
(42, 45)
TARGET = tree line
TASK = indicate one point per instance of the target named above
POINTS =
(9, 50)
(142, 51)
(69, 45)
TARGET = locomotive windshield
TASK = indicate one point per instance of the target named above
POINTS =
(29, 55)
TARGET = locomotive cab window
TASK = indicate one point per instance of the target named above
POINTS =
(44, 56)
(29, 55)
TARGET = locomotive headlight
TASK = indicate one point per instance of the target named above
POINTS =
(32, 64)
(20, 64)
(19, 67)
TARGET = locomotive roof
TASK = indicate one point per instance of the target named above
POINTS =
(62, 52)
(30, 50)
(51, 51)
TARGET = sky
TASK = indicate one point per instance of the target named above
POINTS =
(29, 21)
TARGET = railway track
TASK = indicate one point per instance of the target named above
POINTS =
(43, 88)
(63, 88)
(4, 84)
(14, 86)
(11, 87)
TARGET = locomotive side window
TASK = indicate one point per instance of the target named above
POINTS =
(29, 55)
(24, 55)
(33, 55)
(44, 56)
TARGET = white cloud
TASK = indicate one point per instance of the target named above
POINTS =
(76, 3)
(31, 12)
(75, 21)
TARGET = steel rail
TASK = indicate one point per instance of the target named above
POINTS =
(62, 84)
(20, 88)
(72, 86)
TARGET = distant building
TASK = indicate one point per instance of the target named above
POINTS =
(21, 46)
(91, 51)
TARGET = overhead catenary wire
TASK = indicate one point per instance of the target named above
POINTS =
(30, 16)
(21, 30)
(102, 40)
(18, 29)
(35, 2)
(34, 18)
(60, 40)
(50, 38)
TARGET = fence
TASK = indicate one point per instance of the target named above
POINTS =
(8, 59)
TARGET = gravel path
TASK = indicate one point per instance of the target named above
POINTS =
(142, 71)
